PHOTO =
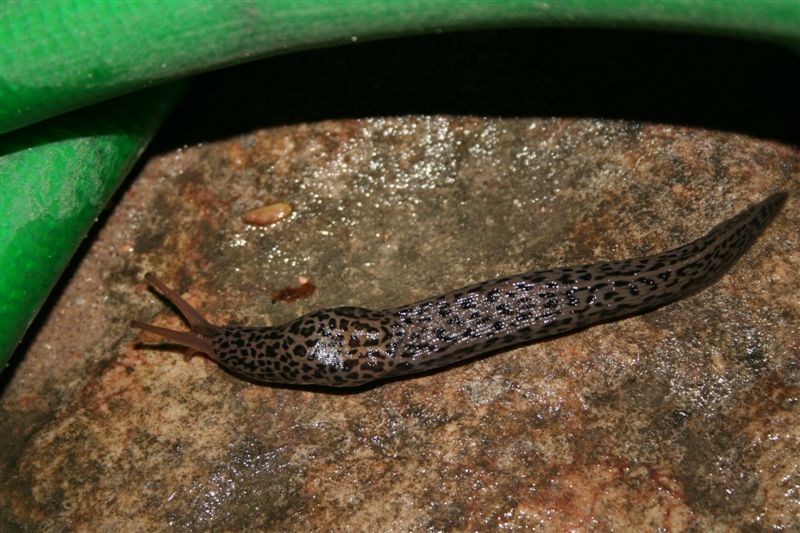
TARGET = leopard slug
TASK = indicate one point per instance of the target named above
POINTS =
(351, 346)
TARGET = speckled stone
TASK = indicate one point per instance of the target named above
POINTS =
(684, 418)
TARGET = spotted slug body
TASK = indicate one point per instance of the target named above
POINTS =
(351, 346)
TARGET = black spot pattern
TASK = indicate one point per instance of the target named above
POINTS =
(350, 346)
(334, 347)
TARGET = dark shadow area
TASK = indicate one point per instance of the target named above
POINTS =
(710, 82)
(134, 114)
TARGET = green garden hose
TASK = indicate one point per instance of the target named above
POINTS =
(55, 178)
(56, 174)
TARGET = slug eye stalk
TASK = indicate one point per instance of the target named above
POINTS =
(202, 331)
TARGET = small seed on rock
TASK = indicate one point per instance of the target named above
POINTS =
(268, 214)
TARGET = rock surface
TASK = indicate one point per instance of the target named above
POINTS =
(686, 417)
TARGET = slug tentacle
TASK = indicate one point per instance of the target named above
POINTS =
(199, 338)
(350, 346)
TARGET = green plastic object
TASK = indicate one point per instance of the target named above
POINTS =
(55, 178)
(59, 56)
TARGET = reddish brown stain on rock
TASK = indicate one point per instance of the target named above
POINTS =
(292, 294)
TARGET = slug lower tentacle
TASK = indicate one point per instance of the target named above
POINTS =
(350, 346)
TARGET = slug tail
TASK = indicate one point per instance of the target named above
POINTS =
(508, 311)
(744, 228)
(708, 258)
